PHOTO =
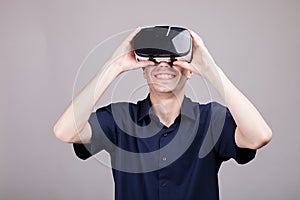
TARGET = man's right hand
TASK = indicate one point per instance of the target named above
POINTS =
(73, 125)
(123, 58)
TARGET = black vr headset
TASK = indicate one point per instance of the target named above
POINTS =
(163, 43)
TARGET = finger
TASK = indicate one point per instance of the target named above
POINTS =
(198, 43)
(187, 66)
(132, 34)
(127, 43)
(182, 64)
(145, 63)
(196, 38)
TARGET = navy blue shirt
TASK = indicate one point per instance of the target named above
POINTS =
(153, 162)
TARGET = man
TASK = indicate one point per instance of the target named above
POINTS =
(189, 140)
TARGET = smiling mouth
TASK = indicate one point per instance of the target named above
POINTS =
(164, 76)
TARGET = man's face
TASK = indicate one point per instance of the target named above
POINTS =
(163, 78)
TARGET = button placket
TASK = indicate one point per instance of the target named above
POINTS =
(162, 143)
(163, 163)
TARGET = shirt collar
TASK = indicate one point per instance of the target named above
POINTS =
(188, 108)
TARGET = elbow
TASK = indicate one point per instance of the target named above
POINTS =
(268, 136)
(62, 134)
(255, 139)
(264, 138)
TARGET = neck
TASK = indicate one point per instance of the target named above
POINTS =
(166, 106)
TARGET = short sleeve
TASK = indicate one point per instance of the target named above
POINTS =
(102, 134)
(226, 146)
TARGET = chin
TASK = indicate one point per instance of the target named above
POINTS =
(166, 87)
(163, 88)
(163, 91)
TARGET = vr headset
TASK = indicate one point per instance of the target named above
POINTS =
(163, 43)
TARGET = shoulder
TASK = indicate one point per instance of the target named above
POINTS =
(120, 110)
(212, 105)
(215, 113)
(213, 108)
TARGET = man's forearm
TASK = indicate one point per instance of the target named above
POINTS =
(252, 130)
(75, 117)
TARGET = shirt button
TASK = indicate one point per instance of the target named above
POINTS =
(165, 134)
(164, 184)
(164, 158)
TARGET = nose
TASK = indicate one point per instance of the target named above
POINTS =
(165, 64)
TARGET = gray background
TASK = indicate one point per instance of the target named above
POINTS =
(43, 43)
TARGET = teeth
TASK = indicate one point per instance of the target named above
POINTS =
(165, 76)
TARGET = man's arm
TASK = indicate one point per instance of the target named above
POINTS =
(73, 126)
(252, 131)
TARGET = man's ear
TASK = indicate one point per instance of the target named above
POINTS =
(144, 73)
(189, 74)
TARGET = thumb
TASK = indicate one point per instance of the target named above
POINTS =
(145, 63)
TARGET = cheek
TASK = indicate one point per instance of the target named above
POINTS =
(147, 71)
(146, 74)
(180, 70)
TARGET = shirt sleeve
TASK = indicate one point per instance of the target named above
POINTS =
(102, 134)
(226, 146)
